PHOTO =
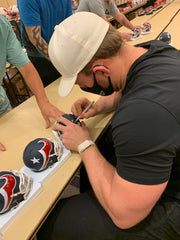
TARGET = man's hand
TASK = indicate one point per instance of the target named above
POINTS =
(72, 134)
(80, 105)
(2, 147)
(50, 111)
(35, 84)
(126, 36)
(104, 104)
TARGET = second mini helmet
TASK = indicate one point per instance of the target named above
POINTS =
(135, 33)
(42, 153)
(15, 187)
(146, 27)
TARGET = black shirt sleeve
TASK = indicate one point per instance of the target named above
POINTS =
(144, 135)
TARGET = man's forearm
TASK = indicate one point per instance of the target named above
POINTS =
(108, 103)
(34, 34)
(123, 20)
(34, 82)
(100, 174)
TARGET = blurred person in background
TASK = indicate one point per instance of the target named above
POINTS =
(38, 19)
(104, 8)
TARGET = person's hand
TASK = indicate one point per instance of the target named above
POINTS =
(138, 26)
(126, 36)
(72, 134)
(50, 111)
(2, 147)
(80, 105)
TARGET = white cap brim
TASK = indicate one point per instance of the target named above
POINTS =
(66, 85)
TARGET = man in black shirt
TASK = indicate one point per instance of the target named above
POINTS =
(139, 197)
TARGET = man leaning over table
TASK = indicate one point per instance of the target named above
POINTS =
(138, 197)
(12, 52)
(104, 8)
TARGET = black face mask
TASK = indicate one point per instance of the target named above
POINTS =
(97, 89)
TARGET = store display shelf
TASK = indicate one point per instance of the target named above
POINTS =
(129, 11)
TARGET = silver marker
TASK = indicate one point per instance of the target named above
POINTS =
(85, 110)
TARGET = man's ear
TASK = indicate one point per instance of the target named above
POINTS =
(102, 69)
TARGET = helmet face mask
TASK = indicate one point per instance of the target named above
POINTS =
(42, 153)
(14, 188)
(57, 150)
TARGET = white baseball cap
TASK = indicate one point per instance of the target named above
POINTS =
(73, 44)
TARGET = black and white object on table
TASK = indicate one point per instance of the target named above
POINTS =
(135, 34)
(165, 37)
(146, 28)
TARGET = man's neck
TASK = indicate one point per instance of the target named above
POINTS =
(129, 54)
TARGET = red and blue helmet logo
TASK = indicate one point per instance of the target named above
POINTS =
(39, 154)
(146, 27)
(7, 187)
(14, 188)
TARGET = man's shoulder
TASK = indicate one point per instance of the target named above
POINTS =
(25, 6)
(143, 119)
(86, 5)
(4, 21)
(5, 27)
(27, 2)
(136, 107)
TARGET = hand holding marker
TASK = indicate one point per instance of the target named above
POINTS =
(85, 110)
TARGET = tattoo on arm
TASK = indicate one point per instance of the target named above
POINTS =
(34, 34)
(123, 22)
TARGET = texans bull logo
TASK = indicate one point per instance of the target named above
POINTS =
(40, 154)
(7, 186)
(45, 151)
